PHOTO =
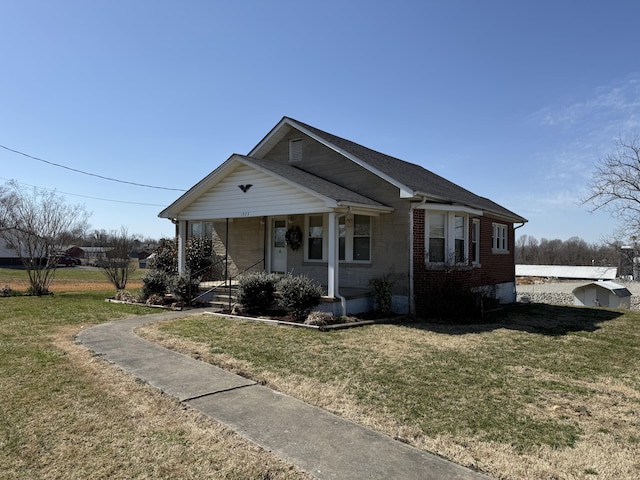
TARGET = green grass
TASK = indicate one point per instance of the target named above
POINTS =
(528, 381)
(65, 414)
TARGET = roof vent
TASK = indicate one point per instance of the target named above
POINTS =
(295, 150)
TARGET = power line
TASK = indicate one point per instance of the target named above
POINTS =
(91, 174)
(86, 196)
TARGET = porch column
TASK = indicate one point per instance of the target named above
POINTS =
(332, 256)
(182, 245)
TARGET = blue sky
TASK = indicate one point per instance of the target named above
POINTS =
(515, 101)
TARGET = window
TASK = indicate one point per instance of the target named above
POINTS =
(201, 229)
(315, 237)
(475, 241)
(436, 237)
(354, 238)
(295, 150)
(499, 239)
(447, 237)
(459, 239)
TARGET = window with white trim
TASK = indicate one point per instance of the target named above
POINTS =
(475, 241)
(314, 244)
(499, 238)
(201, 229)
(447, 237)
(354, 238)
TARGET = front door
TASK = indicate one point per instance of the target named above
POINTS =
(278, 246)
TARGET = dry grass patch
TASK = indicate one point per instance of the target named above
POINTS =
(66, 414)
(542, 393)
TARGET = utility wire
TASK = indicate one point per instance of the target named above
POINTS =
(86, 196)
(91, 174)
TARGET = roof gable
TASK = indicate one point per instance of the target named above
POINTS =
(412, 180)
(250, 187)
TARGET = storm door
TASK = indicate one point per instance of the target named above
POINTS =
(278, 246)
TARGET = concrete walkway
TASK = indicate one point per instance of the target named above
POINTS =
(321, 443)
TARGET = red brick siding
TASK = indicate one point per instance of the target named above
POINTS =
(495, 268)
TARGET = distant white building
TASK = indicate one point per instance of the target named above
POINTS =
(567, 272)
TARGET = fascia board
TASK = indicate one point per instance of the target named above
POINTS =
(358, 208)
(405, 192)
(440, 207)
(203, 185)
(274, 133)
(508, 218)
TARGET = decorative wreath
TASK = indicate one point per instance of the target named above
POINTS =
(294, 237)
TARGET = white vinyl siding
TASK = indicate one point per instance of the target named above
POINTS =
(268, 196)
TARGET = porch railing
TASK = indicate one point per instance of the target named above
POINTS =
(226, 282)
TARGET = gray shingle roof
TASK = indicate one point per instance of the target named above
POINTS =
(315, 183)
(415, 177)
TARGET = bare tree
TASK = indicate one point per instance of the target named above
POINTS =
(615, 185)
(35, 224)
(118, 266)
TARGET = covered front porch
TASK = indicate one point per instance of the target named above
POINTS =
(314, 245)
(274, 216)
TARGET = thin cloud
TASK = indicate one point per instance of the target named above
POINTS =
(610, 107)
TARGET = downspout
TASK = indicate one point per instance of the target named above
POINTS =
(411, 286)
(515, 287)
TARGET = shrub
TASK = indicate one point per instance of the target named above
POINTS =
(452, 299)
(154, 282)
(184, 287)
(381, 289)
(319, 319)
(298, 295)
(6, 291)
(199, 256)
(125, 296)
(165, 257)
(257, 291)
(155, 300)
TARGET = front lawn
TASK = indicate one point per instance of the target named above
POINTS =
(65, 414)
(545, 392)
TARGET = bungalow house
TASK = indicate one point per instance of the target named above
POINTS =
(304, 201)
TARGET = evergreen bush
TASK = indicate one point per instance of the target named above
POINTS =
(257, 291)
(381, 289)
(184, 287)
(154, 282)
(298, 295)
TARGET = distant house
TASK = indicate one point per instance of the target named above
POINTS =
(309, 202)
(8, 256)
